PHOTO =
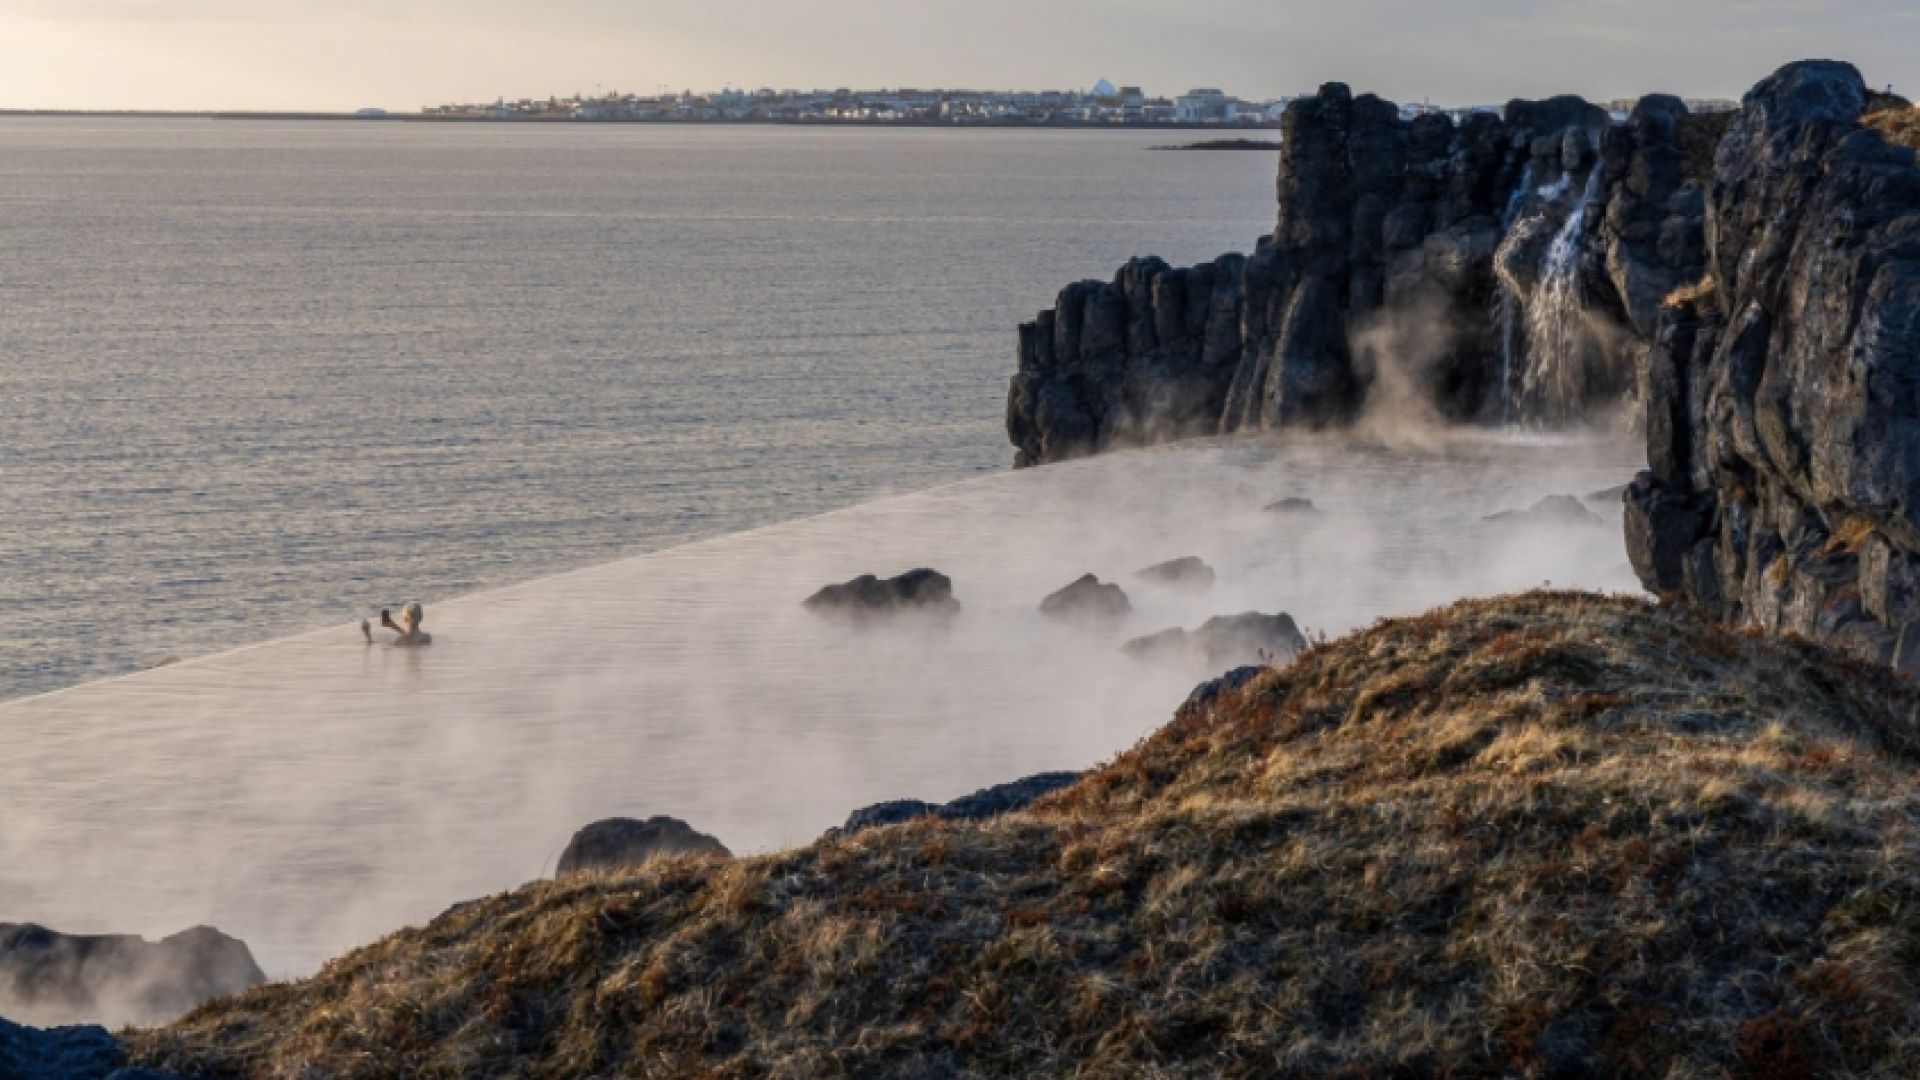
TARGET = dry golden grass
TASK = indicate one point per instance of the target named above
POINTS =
(1554, 834)
(1897, 121)
(1697, 292)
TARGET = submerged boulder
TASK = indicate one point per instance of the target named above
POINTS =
(1552, 510)
(920, 591)
(1190, 572)
(986, 803)
(1224, 641)
(49, 977)
(616, 842)
(1087, 598)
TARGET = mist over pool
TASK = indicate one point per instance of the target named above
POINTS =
(312, 793)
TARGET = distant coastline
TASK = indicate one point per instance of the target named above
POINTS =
(572, 121)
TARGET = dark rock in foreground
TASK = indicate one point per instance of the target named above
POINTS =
(64, 1053)
(1293, 504)
(1224, 641)
(1552, 510)
(1190, 572)
(985, 803)
(616, 842)
(917, 591)
(1087, 598)
(1783, 393)
(50, 977)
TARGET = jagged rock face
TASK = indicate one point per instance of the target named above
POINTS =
(50, 977)
(1783, 406)
(1381, 270)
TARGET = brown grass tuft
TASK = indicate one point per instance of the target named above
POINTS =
(1554, 834)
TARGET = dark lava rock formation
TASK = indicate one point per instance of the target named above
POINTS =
(1224, 641)
(1190, 572)
(921, 591)
(1087, 598)
(1506, 268)
(986, 803)
(1783, 392)
(48, 977)
(65, 1053)
(616, 842)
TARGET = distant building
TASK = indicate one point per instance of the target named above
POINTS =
(1104, 91)
(1202, 106)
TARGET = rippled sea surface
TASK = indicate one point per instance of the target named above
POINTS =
(259, 377)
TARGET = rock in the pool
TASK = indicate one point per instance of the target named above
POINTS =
(1186, 573)
(47, 977)
(920, 591)
(1552, 510)
(617, 842)
(1224, 641)
(1088, 598)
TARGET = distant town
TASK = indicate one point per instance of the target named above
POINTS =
(1104, 105)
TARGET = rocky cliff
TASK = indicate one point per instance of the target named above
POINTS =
(1504, 268)
(1783, 391)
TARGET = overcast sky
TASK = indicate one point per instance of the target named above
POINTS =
(402, 54)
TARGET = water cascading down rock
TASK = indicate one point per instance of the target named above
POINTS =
(1409, 255)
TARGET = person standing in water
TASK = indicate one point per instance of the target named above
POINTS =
(411, 634)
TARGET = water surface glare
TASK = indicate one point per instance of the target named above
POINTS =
(255, 376)
(312, 793)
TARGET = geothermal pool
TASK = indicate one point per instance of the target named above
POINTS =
(311, 793)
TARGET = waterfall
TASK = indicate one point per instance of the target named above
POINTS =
(1554, 325)
(1507, 301)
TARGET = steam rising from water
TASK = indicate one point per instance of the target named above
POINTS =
(312, 793)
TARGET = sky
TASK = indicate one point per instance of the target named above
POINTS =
(404, 54)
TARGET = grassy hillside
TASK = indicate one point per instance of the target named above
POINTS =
(1553, 834)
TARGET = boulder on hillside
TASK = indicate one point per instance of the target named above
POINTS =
(1190, 572)
(616, 842)
(1087, 599)
(920, 591)
(986, 803)
(47, 977)
(1224, 641)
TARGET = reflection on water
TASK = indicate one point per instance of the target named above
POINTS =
(312, 793)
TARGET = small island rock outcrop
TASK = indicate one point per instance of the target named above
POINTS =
(921, 591)
(1187, 572)
(1087, 599)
